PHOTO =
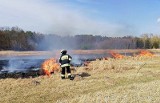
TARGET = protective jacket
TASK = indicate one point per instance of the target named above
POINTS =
(65, 60)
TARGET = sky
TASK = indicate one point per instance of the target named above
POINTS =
(73, 17)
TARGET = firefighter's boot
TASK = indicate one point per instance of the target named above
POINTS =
(62, 76)
(71, 77)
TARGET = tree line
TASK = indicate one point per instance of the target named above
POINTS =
(17, 39)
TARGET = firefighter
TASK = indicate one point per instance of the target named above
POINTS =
(64, 61)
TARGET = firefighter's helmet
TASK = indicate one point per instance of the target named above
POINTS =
(63, 51)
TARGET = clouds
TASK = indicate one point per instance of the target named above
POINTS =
(158, 20)
(53, 17)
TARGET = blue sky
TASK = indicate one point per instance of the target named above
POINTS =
(72, 17)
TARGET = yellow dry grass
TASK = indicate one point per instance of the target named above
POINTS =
(56, 52)
(128, 80)
(23, 53)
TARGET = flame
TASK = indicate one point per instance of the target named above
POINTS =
(145, 53)
(116, 55)
(49, 66)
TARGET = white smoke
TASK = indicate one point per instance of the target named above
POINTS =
(76, 60)
(53, 17)
(19, 64)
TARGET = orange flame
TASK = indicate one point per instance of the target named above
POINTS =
(49, 66)
(116, 55)
(145, 53)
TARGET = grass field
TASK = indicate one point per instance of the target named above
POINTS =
(127, 80)
(57, 52)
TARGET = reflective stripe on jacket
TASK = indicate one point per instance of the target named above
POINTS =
(65, 60)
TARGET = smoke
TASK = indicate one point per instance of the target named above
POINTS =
(55, 42)
(76, 60)
(22, 64)
(51, 17)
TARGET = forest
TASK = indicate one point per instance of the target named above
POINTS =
(17, 39)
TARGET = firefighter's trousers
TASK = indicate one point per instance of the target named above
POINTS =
(64, 70)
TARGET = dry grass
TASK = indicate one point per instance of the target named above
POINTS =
(110, 81)
(30, 53)
(23, 53)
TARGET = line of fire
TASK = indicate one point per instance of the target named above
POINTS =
(48, 66)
